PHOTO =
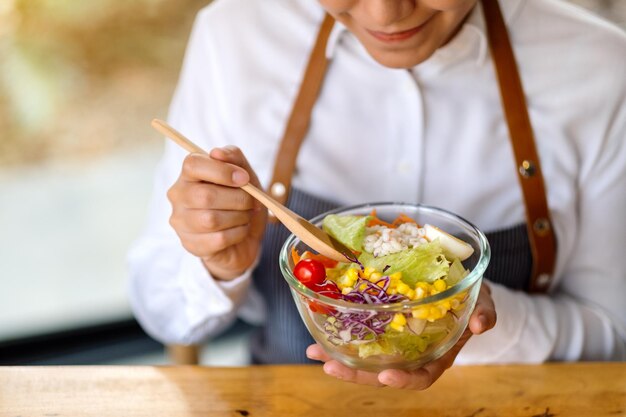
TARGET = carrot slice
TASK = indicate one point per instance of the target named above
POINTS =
(403, 218)
(376, 221)
(327, 262)
(295, 256)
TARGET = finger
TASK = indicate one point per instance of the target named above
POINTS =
(484, 316)
(317, 353)
(425, 376)
(208, 245)
(206, 221)
(234, 155)
(339, 371)
(417, 380)
(214, 197)
(201, 167)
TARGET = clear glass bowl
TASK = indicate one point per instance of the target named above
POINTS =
(439, 330)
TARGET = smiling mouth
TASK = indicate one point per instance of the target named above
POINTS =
(396, 36)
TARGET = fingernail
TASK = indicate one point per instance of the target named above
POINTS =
(330, 370)
(229, 148)
(240, 177)
(311, 355)
(387, 380)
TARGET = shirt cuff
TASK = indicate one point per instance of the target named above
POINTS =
(205, 297)
(506, 343)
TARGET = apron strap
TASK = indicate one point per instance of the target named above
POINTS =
(538, 222)
(300, 118)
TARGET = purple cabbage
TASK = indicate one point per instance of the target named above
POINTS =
(363, 326)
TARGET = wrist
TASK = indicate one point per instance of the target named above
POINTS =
(222, 274)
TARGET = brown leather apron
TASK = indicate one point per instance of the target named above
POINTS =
(538, 223)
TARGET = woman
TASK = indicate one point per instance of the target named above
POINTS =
(409, 110)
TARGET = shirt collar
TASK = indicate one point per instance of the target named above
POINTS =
(469, 43)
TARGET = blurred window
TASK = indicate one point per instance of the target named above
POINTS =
(79, 83)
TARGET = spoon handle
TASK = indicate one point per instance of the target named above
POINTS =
(188, 145)
(176, 136)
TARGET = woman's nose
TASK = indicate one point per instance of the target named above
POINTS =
(387, 12)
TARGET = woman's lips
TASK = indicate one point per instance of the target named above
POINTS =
(395, 36)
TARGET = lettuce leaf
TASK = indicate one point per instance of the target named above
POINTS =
(423, 263)
(457, 272)
(406, 344)
(349, 230)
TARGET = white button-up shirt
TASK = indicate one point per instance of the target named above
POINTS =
(434, 134)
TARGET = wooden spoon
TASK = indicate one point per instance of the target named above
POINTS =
(313, 236)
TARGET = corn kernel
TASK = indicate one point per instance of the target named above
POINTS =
(362, 287)
(399, 319)
(352, 273)
(419, 293)
(375, 276)
(346, 290)
(346, 280)
(381, 284)
(434, 314)
(396, 276)
(410, 294)
(454, 304)
(367, 272)
(397, 327)
(420, 313)
(440, 285)
(445, 304)
(402, 288)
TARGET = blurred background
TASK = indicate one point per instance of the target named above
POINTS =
(79, 83)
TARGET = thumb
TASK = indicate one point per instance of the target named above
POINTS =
(233, 155)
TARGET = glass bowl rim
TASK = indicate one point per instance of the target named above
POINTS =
(475, 274)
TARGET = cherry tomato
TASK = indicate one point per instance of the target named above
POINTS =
(318, 307)
(310, 272)
(327, 289)
(328, 263)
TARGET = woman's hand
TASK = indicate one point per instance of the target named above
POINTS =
(214, 219)
(482, 319)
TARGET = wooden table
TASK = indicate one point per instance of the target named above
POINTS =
(585, 390)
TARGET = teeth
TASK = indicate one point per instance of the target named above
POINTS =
(452, 247)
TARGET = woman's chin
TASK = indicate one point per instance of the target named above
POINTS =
(399, 59)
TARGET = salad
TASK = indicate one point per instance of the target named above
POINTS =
(395, 262)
